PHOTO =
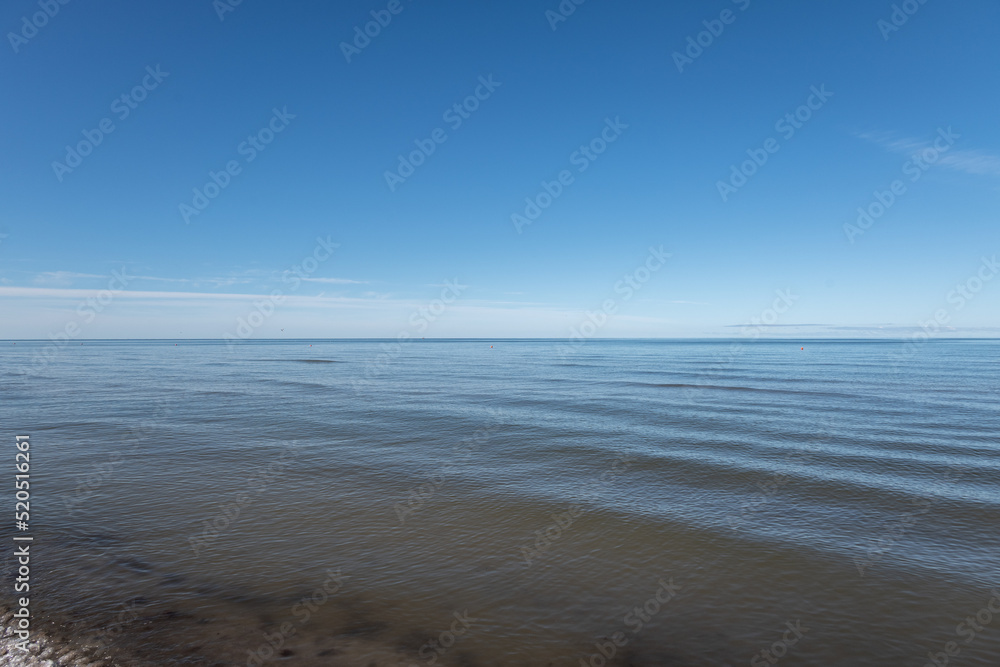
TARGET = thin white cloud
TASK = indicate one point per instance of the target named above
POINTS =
(336, 281)
(222, 282)
(62, 277)
(980, 163)
(65, 278)
(77, 293)
(370, 300)
(775, 326)
(969, 161)
(168, 280)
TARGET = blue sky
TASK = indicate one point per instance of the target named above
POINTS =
(554, 86)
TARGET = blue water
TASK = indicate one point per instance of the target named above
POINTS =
(545, 491)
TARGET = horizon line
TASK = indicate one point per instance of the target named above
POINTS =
(524, 339)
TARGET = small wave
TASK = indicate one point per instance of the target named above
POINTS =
(308, 361)
(304, 385)
(737, 388)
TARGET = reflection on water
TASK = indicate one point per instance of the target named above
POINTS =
(631, 503)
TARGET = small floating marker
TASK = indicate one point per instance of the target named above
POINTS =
(491, 347)
(802, 348)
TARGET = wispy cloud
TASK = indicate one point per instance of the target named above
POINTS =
(168, 280)
(336, 281)
(67, 278)
(980, 163)
(675, 301)
(62, 277)
(970, 161)
(777, 325)
(80, 293)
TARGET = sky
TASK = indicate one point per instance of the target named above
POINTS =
(530, 168)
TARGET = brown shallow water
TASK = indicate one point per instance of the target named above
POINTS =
(462, 506)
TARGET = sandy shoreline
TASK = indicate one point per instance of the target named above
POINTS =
(156, 638)
(45, 650)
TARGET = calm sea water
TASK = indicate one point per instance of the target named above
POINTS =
(676, 503)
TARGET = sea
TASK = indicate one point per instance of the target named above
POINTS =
(479, 503)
